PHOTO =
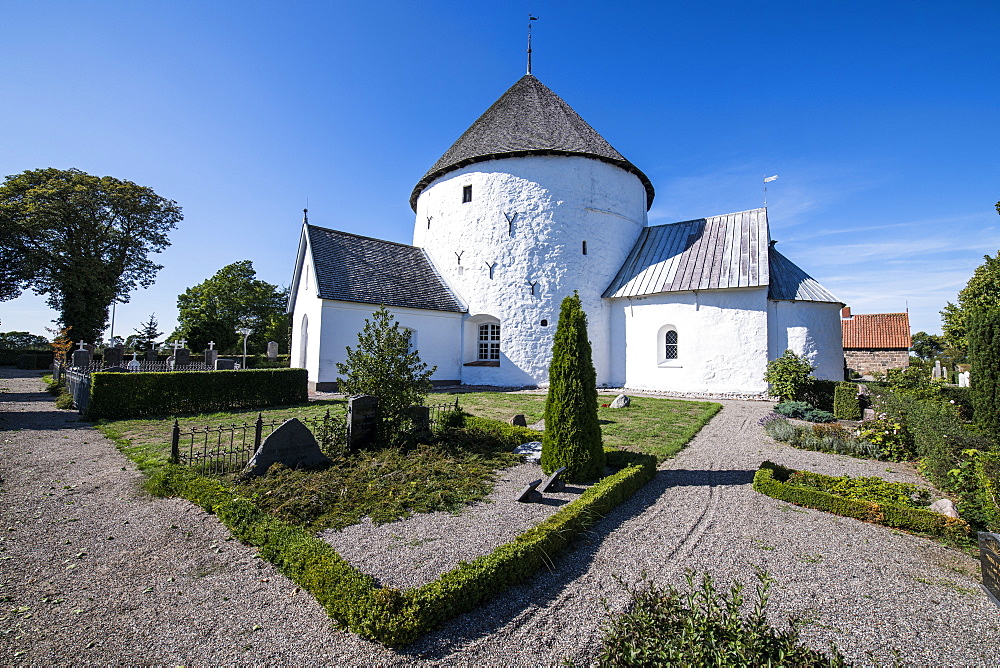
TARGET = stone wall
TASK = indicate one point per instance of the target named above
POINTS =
(866, 361)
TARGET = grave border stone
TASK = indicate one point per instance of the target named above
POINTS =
(529, 494)
(553, 483)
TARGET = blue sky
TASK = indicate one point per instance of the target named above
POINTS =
(880, 118)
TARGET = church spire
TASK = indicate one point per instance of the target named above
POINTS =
(305, 216)
(530, 19)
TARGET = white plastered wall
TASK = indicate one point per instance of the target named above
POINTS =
(437, 337)
(811, 329)
(560, 202)
(310, 307)
(722, 341)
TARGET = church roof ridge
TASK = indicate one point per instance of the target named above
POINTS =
(528, 119)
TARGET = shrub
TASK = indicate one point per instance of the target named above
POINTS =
(800, 410)
(873, 489)
(893, 439)
(846, 402)
(704, 627)
(384, 366)
(65, 401)
(821, 438)
(820, 393)
(789, 375)
(775, 481)
(572, 436)
(983, 335)
(127, 395)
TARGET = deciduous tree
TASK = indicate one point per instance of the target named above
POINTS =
(982, 291)
(926, 346)
(82, 240)
(22, 340)
(572, 435)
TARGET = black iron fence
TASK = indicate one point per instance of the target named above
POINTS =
(78, 385)
(228, 448)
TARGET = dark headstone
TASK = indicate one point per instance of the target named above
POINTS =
(553, 483)
(210, 357)
(518, 421)
(421, 416)
(225, 365)
(182, 357)
(81, 357)
(362, 422)
(989, 560)
(151, 355)
(291, 444)
(114, 356)
(529, 494)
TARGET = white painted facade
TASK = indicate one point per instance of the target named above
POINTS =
(811, 329)
(528, 220)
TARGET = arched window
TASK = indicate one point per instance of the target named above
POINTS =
(304, 342)
(489, 342)
(670, 344)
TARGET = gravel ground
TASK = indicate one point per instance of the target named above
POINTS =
(93, 571)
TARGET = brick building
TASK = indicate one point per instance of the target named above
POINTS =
(875, 341)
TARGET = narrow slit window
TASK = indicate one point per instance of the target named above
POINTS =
(584, 247)
(670, 341)
(489, 342)
(466, 194)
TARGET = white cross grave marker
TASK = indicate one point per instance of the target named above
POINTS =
(82, 344)
(211, 345)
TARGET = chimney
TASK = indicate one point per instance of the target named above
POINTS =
(845, 313)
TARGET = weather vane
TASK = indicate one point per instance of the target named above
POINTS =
(768, 179)
(530, 19)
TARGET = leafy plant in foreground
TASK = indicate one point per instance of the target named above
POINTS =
(703, 626)
(789, 375)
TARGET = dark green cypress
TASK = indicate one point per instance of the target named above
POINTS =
(983, 334)
(572, 431)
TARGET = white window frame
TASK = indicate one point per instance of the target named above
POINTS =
(488, 342)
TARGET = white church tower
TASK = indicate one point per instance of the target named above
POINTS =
(528, 206)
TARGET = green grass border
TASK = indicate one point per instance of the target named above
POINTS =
(391, 616)
(771, 480)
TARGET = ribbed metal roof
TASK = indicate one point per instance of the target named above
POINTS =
(727, 251)
(877, 331)
(529, 119)
(789, 282)
(372, 271)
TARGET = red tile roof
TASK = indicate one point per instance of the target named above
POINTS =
(877, 330)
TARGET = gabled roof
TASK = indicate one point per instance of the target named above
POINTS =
(353, 268)
(877, 330)
(788, 282)
(727, 251)
(529, 119)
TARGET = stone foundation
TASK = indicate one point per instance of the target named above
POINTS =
(867, 361)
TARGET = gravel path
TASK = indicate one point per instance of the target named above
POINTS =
(93, 571)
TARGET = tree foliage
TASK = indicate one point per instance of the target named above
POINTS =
(62, 343)
(572, 430)
(82, 240)
(383, 366)
(927, 346)
(145, 335)
(789, 375)
(981, 292)
(199, 336)
(22, 340)
(235, 297)
(984, 356)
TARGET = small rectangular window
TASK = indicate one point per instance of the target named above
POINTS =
(466, 194)
(584, 247)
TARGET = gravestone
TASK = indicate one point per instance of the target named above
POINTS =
(362, 422)
(134, 365)
(114, 356)
(210, 357)
(291, 444)
(151, 355)
(421, 416)
(553, 483)
(225, 364)
(936, 373)
(518, 421)
(81, 357)
(621, 401)
(963, 379)
(272, 350)
(989, 560)
(532, 451)
(529, 494)
(182, 357)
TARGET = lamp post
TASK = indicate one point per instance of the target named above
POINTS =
(245, 331)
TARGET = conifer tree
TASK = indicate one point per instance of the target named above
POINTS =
(572, 431)
(984, 355)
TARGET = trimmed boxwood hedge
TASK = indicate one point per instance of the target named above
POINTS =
(846, 402)
(771, 479)
(391, 616)
(126, 395)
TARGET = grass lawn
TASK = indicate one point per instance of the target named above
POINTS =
(659, 427)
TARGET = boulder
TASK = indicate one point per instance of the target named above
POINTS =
(945, 507)
(621, 401)
(532, 451)
(518, 421)
(291, 444)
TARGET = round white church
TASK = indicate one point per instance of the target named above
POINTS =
(530, 204)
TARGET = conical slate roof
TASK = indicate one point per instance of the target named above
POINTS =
(529, 119)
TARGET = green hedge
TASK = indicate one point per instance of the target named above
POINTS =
(12, 356)
(987, 488)
(846, 403)
(819, 394)
(771, 479)
(391, 616)
(34, 361)
(128, 395)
